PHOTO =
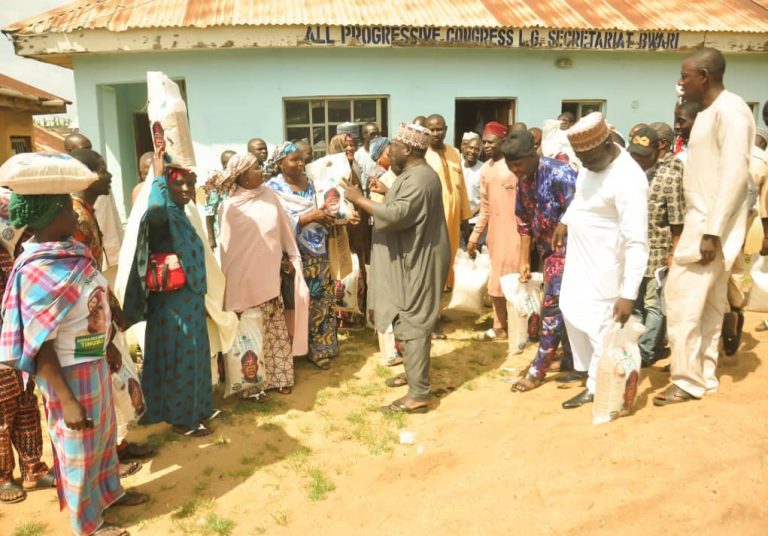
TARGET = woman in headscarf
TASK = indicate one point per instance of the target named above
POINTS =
(258, 249)
(360, 233)
(55, 327)
(309, 223)
(176, 378)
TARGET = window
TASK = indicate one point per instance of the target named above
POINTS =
(580, 108)
(21, 144)
(316, 118)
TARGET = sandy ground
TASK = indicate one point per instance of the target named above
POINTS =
(485, 461)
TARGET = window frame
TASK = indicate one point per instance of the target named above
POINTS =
(580, 103)
(26, 140)
(382, 118)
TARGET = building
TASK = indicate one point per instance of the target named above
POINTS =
(19, 102)
(282, 69)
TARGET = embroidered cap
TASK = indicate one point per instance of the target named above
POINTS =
(588, 133)
(469, 136)
(413, 135)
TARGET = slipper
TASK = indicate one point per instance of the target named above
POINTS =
(438, 336)
(532, 382)
(216, 413)
(397, 381)
(131, 498)
(130, 469)
(200, 431)
(397, 407)
(443, 391)
(763, 326)
(393, 361)
(47, 481)
(110, 530)
(255, 396)
(672, 395)
(135, 451)
(12, 487)
(731, 343)
(284, 390)
(323, 363)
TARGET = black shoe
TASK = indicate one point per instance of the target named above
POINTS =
(731, 344)
(584, 397)
(572, 377)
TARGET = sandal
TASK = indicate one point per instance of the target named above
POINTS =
(762, 326)
(528, 383)
(255, 396)
(397, 381)
(284, 390)
(438, 335)
(131, 498)
(128, 469)
(393, 361)
(201, 431)
(443, 391)
(110, 530)
(135, 451)
(672, 395)
(47, 481)
(323, 363)
(398, 406)
(12, 490)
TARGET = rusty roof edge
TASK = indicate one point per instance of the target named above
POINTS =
(13, 33)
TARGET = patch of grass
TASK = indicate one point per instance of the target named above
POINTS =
(271, 447)
(319, 485)
(396, 419)
(299, 457)
(200, 488)
(271, 426)
(158, 440)
(323, 395)
(221, 440)
(280, 518)
(305, 429)
(31, 528)
(470, 385)
(215, 524)
(244, 472)
(248, 460)
(166, 487)
(208, 470)
(383, 371)
(189, 508)
(377, 438)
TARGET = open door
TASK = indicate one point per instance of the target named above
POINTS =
(473, 114)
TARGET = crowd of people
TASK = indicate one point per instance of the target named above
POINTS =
(651, 225)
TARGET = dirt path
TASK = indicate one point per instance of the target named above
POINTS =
(486, 461)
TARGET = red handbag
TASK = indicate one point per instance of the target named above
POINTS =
(164, 273)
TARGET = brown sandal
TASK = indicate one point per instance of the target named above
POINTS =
(525, 384)
(672, 395)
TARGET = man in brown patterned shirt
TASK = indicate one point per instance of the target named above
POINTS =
(666, 212)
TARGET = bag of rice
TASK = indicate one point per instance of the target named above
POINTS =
(347, 289)
(9, 235)
(244, 364)
(618, 372)
(45, 173)
(326, 174)
(471, 277)
(126, 391)
(168, 120)
(523, 305)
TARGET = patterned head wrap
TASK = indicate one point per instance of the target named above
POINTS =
(224, 181)
(338, 143)
(588, 133)
(35, 211)
(377, 147)
(413, 135)
(283, 150)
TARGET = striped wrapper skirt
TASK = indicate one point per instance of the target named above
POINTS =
(86, 460)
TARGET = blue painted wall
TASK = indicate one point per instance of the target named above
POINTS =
(234, 95)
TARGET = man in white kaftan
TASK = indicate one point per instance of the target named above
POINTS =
(606, 224)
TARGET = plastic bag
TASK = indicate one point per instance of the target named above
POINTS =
(244, 366)
(758, 296)
(45, 173)
(347, 289)
(168, 120)
(470, 281)
(618, 372)
(126, 391)
(523, 307)
(326, 174)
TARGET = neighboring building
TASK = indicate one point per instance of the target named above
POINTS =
(19, 102)
(47, 140)
(289, 68)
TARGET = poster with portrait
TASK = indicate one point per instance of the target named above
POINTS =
(126, 390)
(244, 364)
(326, 174)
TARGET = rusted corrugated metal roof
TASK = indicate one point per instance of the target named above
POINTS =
(47, 141)
(745, 16)
(25, 90)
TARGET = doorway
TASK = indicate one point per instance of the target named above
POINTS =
(473, 114)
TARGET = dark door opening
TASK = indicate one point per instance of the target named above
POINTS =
(472, 115)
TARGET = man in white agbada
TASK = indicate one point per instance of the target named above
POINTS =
(606, 224)
(716, 187)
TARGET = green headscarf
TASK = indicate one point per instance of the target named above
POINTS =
(35, 211)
